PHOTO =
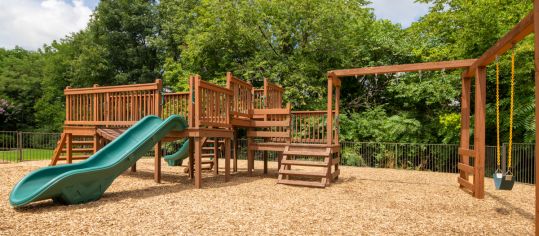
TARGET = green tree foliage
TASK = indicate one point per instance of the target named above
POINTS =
(293, 43)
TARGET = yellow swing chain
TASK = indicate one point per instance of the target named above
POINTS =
(510, 151)
(498, 165)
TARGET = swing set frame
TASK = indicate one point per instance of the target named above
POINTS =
(474, 69)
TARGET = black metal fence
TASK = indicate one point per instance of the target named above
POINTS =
(26, 146)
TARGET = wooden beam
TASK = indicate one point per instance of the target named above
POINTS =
(536, 61)
(428, 66)
(519, 32)
(479, 132)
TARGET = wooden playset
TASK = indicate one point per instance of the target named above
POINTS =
(309, 139)
(215, 113)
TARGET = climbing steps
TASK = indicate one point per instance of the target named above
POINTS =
(71, 148)
(316, 166)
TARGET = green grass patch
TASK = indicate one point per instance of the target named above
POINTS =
(27, 155)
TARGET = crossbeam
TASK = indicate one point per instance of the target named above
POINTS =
(427, 66)
(519, 32)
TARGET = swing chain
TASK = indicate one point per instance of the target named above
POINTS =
(511, 111)
(498, 115)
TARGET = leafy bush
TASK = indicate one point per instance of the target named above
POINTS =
(351, 157)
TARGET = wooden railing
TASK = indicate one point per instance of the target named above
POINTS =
(273, 94)
(243, 97)
(259, 99)
(175, 104)
(310, 127)
(112, 105)
(212, 104)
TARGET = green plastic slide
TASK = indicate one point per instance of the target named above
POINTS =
(87, 180)
(177, 158)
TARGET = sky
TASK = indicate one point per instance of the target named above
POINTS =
(32, 23)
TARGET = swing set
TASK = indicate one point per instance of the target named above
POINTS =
(471, 164)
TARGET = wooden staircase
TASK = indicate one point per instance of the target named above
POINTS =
(70, 148)
(316, 166)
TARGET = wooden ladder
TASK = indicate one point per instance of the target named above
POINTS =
(70, 148)
(319, 158)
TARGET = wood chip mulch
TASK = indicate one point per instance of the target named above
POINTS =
(363, 201)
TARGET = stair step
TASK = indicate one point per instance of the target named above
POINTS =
(302, 173)
(206, 162)
(210, 148)
(207, 155)
(82, 157)
(304, 163)
(83, 142)
(79, 150)
(301, 183)
(306, 153)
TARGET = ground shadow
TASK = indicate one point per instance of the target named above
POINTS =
(508, 205)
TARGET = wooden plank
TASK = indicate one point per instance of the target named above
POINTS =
(302, 173)
(268, 134)
(57, 150)
(110, 89)
(302, 183)
(303, 163)
(272, 111)
(467, 152)
(427, 66)
(519, 32)
(466, 168)
(261, 123)
(466, 184)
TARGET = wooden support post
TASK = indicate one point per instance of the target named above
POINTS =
(69, 148)
(191, 167)
(479, 131)
(198, 162)
(19, 145)
(227, 159)
(279, 159)
(265, 157)
(329, 125)
(216, 156)
(134, 167)
(465, 124)
(250, 157)
(235, 152)
(536, 61)
(157, 163)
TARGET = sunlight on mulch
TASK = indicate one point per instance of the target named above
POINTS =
(363, 201)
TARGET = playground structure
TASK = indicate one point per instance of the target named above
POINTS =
(97, 115)
(214, 114)
(472, 161)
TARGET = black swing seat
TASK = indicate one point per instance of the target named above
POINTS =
(503, 181)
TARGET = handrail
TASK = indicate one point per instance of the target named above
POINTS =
(111, 89)
(112, 105)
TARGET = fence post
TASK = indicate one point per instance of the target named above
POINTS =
(19, 145)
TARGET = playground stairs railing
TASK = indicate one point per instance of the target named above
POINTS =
(112, 105)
